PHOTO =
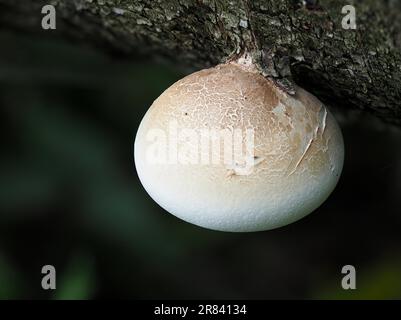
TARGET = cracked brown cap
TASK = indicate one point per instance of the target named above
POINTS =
(286, 151)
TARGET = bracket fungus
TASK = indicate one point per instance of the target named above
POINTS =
(226, 149)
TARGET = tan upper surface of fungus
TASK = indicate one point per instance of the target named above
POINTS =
(292, 133)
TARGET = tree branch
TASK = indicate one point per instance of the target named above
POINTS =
(290, 40)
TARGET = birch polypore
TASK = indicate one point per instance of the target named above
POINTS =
(284, 159)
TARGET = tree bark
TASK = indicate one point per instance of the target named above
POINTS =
(289, 40)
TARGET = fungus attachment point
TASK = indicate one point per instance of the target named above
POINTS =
(226, 149)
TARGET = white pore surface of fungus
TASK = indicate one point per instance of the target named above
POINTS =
(298, 151)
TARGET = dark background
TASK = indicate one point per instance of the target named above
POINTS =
(70, 196)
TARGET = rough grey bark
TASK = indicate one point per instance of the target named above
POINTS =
(290, 40)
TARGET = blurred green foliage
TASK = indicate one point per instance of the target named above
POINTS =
(381, 281)
(77, 282)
